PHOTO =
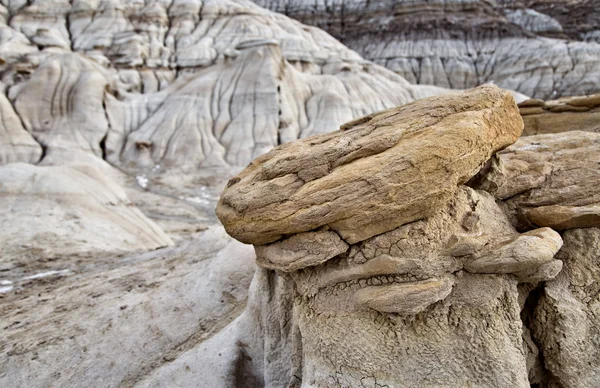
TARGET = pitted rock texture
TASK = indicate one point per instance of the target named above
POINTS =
(179, 84)
(373, 175)
(542, 49)
(171, 92)
(131, 107)
(397, 309)
(566, 318)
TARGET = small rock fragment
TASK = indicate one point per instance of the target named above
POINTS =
(300, 251)
(405, 298)
(519, 253)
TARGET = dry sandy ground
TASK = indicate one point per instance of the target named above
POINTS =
(109, 319)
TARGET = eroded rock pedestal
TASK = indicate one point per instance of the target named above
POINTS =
(409, 249)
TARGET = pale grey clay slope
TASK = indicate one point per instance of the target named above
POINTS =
(184, 84)
(166, 92)
(409, 248)
(543, 49)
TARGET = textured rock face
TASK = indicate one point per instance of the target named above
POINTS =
(61, 104)
(566, 319)
(417, 274)
(16, 144)
(59, 211)
(437, 300)
(542, 49)
(177, 95)
(373, 175)
(548, 180)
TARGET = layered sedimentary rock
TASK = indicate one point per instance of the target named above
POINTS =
(542, 49)
(413, 291)
(552, 180)
(176, 95)
(414, 260)
(16, 144)
(578, 19)
(61, 104)
(548, 180)
(581, 113)
(567, 315)
(60, 211)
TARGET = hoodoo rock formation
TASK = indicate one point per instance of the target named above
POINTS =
(406, 262)
(120, 124)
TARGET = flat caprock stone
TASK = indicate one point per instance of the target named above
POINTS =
(378, 173)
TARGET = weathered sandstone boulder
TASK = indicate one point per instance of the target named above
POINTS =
(165, 91)
(373, 175)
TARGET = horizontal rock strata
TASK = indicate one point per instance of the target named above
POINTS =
(182, 85)
(548, 180)
(580, 113)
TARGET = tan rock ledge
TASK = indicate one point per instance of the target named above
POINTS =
(381, 172)
(565, 217)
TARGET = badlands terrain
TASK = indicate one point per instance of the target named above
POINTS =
(214, 194)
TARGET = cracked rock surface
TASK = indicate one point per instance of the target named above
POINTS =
(120, 123)
(548, 180)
